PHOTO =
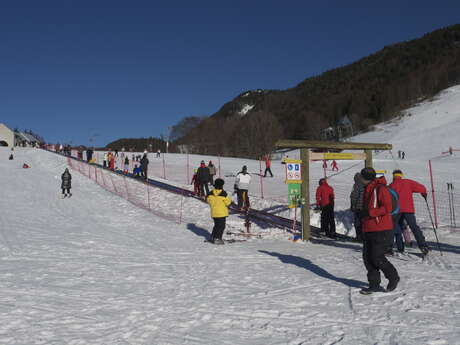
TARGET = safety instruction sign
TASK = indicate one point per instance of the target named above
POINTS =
(293, 171)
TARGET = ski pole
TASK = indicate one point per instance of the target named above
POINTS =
(450, 205)
(453, 204)
(434, 229)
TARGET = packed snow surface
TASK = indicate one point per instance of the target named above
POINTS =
(96, 269)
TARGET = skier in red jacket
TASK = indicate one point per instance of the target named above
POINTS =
(325, 201)
(405, 188)
(377, 226)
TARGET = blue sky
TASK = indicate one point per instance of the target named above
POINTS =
(76, 70)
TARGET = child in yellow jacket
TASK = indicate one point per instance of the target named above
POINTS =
(219, 201)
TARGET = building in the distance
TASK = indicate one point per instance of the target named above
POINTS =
(7, 136)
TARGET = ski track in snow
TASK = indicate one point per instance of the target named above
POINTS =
(96, 269)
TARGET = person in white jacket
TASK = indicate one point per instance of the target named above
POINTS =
(243, 179)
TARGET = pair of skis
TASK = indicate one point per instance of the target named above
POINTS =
(450, 193)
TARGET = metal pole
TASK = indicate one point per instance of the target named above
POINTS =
(432, 193)
(219, 165)
(368, 161)
(188, 169)
(164, 168)
(261, 179)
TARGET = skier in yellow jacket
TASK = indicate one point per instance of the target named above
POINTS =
(219, 201)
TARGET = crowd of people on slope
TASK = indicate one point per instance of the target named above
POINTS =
(380, 213)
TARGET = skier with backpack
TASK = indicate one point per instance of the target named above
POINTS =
(405, 189)
(377, 232)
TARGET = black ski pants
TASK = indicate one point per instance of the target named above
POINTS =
(219, 227)
(412, 223)
(375, 245)
(327, 220)
(397, 233)
(144, 173)
(203, 187)
(65, 189)
(268, 170)
(358, 225)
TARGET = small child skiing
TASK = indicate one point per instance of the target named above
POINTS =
(196, 183)
(126, 167)
(137, 171)
(218, 201)
(335, 167)
(66, 184)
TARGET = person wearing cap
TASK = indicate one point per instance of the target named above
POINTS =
(405, 189)
(66, 183)
(243, 179)
(377, 227)
(218, 201)
(325, 202)
(212, 171)
(204, 177)
(195, 183)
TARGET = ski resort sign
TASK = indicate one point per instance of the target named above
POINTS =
(293, 170)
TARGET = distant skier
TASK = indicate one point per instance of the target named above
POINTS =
(106, 160)
(243, 179)
(335, 167)
(218, 201)
(137, 171)
(268, 164)
(204, 177)
(11, 157)
(451, 150)
(377, 232)
(403, 155)
(158, 153)
(66, 183)
(405, 188)
(126, 166)
(144, 166)
(356, 205)
(325, 201)
(212, 171)
(196, 183)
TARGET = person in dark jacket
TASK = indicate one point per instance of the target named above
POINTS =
(66, 183)
(204, 177)
(405, 189)
(144, 166)
(377, 232)
(325, 201)
(356, 205)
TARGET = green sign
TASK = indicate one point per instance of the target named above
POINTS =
(294, 195)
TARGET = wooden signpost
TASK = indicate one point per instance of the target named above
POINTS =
(306, 156)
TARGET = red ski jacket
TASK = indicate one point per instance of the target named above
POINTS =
(324, 194)
(267, 162)
(379, 204)
(405, 188)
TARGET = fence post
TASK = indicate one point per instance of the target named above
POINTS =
(148, 195)
(434, 200)
(113, 184)
(188, 169)
(261, 179)
(126, 187)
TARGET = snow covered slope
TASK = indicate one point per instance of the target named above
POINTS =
(95, 269)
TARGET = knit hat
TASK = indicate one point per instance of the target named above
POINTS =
(245, 168)
(397, 173)
(368, 174)
(219, 183)
(202, 162)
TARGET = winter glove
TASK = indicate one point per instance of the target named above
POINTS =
(364, 213)
(424, 196)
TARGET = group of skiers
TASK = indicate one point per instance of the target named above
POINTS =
(202, 177)
(380, 213)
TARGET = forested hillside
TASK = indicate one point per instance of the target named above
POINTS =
(371, 90)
